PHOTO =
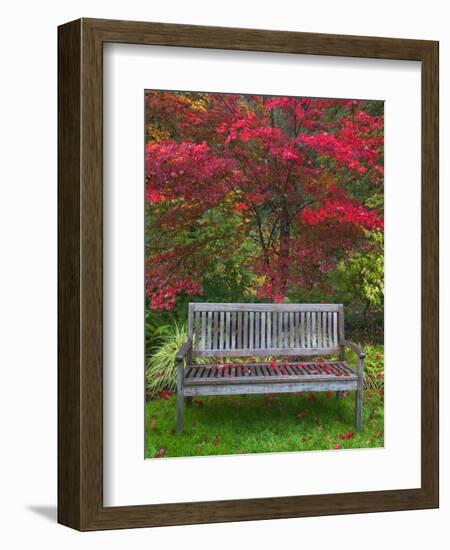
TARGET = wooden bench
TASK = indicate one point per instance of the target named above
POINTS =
(219, 330)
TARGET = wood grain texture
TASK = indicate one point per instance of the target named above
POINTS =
(258, 321)
(258, 352)
(294, 372)
(233, 307)
(80, 404)
(430, 272)
(261, 388)
(69, 250)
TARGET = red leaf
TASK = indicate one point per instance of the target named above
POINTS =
(151, 422)
(348, 435)
(165, 394)
(337, 446)
(161, 453)
(301, 414)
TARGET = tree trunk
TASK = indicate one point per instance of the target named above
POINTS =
(284, 250)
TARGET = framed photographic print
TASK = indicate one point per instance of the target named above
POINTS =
(248, 274)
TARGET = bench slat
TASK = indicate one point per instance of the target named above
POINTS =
(319, 329)
(245, 333)
(215, 329)
(221, 330)
(313, 329)
(335, 338)
(239, 330)
(210, 328)
(203, 341)
(257, 329)
(270, 387)
(275, 352)
(205, 306)
(263, 341)
(233, 330)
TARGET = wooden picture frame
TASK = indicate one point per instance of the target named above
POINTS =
(80, 272)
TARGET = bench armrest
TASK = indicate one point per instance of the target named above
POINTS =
(183, 351)
(355, 348)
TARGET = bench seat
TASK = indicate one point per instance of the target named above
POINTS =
(250, 373)
(260, 378)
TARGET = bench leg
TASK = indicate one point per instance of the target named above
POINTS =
(180, 412)
(338, 395)
(359, 407)
(180, 397)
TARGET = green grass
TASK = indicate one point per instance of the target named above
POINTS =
(225, 425)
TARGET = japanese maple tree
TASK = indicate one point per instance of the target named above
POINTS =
(287, 177)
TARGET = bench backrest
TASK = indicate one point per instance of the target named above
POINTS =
(240, 330)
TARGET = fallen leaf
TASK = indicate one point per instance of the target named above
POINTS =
(301, 414)
(165, 394)
(216, 440)
(151, 422)
(161, 453)
(337, 446)
(348, 435)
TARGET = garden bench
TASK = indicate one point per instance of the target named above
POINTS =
(224, 330)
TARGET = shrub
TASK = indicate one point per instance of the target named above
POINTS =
(373, 367)
(161, 368)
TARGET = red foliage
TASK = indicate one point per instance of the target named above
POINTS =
(279, 164)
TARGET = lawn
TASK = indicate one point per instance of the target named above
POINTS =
(224, 425)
